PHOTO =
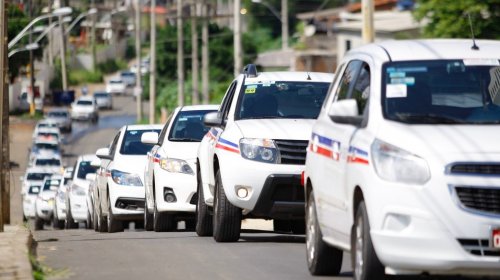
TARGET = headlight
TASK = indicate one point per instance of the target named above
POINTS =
(77, 190)
(397, 165)
(263, 150)
(176, 166)
(126, 179)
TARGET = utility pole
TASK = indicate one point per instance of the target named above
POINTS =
(138, 84)
(5, 163)
(152, 66)
(93, 37)
(367, 33)
(180, 55)
(3, 92)
(238, 63)
(32, 64)
(51, 55)
(64, 73)
(284, 24)
(204, 54)
(194, 54)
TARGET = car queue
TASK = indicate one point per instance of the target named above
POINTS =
(394, 159)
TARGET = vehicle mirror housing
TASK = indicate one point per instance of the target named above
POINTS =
(150, 138)
(90, 177)
(103, 153)
(95, 163)
(212, 119)
(345, 112)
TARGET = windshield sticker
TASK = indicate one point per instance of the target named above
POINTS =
(407, 69)
(268, 83)
(250, 90)
(133, 132)
(407, 81)
(396, 91)
(494, 86)
(481, 62)
(397, 74)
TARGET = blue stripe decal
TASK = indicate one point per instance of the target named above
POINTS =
(224, 141)
(358, 151)
(323, 140)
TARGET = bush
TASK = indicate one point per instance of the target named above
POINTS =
(77, 77)
(112, 65)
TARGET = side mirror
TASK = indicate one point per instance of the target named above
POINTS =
(90, 177)
(95, 163)
(103, 153)
(345, 112)
(150, 138)
(212, 119)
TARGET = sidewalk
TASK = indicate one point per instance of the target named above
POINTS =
(15, 242)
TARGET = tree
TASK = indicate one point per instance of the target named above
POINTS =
(448, 18)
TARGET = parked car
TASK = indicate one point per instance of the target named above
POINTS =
(169, 176)
(116, 86)
(85, 108)
(76, 198)
(92, 178)
(144, 68)
(44, 147)
(59, 217)
(128, 78)
(60, 116)
(44, 203)
(33, 176)
(44, 124)
(403, 166)
(29, 198)
(251, 160)
(52, 163)
(49, 133)
(104, 100)
(120, 195)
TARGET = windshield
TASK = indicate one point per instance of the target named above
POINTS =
(84, 169)
(34, 190)
(46, 146)
(48, 162)
(284, 100)
(188, 126)
(58, 114)
(442, 92)
(48, 135)
(101, 94)
(115, 82)
(51, 182)
(128, 74)
(37, 176)
(84, 102)
(132, 144)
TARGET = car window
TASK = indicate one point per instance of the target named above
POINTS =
(333, 84)
(58, 114)
(112, 147)
(85, 168)
(347, 81)
(132, 145)
(51, 182)
(163, 132)
(46, 146)
(34, 190)
(188, 126)
(84, 102)
(226, 102)
(37, 176)
(47, 162)
(281, 99)
(101, 94)
(361, 88)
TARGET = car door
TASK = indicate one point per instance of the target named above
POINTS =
(354, 83)
(106, 166)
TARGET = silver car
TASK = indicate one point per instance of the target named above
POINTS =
(61, 116)
(104, 100)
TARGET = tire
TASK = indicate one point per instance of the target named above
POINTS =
(298, 226)
(284, 226)
(204, 222)
(365, 263)
(56, 223)
(190, 225)
(88, 222)
(321, 258)
(148, 217)
(101, 221)
(70, 223)
(163, 221)
(95, 222)
(114, 225)
(38, 223)
(227, 217)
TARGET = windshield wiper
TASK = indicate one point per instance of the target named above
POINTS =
(184, 140)
(428, 118)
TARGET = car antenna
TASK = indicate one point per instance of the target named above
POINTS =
(308, 76)
(474, 46)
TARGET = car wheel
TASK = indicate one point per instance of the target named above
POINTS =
(88, 222)
(38, 223)
(148, 217)
(298, 226)
(365, 262)
(56, 223)
(163, 221)
(190, 224)
(204, 223)
(321, 258)
(114, 225)
(102, 221)
(95, 221)
(282, 225)
(70, 222)
(227, 217)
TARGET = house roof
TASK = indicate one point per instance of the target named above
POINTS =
(384, 22)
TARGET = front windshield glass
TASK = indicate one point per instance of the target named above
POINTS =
(442, 91)
(48, 162)
(281, 100)
(101, 94)
(37, 176)
(84, 102)
(132, 145)
(188, 126)
(46, 146)
(84, 169)
(51, 182)
(58, 114)
(48, 135)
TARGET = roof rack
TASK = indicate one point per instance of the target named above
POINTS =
(250, 70)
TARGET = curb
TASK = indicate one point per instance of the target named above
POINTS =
(16, 245)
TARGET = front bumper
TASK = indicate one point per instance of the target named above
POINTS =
(182, 186)
(127, 202)
(44, 209)
(60, 207)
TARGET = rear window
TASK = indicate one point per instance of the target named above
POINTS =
(132, 145)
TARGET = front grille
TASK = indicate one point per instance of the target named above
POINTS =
(485, 200)
(475, 169)
(479, 247)
(292, 151)
(130, 203)
(194, 199)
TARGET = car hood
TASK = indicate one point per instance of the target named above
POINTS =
(290, 129)
(181, 150)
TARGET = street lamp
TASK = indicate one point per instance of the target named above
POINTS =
(79, 17)
(282, 17)
(28, 47)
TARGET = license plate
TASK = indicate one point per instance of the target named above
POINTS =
(496, 238)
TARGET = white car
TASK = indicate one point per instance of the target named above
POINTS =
(169, 175)
(52, 163)
(61, 116)
(128, 78)
(44, 203)
(120, 178)
(116, 86)
(251, 160)
(144, 68)
(104, 100)
(403, 169)
(43, 124)
(49, 133)
(59, 216)
(92, 178)
(29, 198)
(85, 108)
(34, 176)
(76, 197)
(44, 147)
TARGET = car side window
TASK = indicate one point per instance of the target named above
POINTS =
(163, 132)
(112, 148)
(361, 88)
(347, 81)
(226, 104)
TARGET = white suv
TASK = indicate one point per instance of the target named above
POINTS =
(120, 179)
(251, 160)
(403, 168)
(169, 174)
